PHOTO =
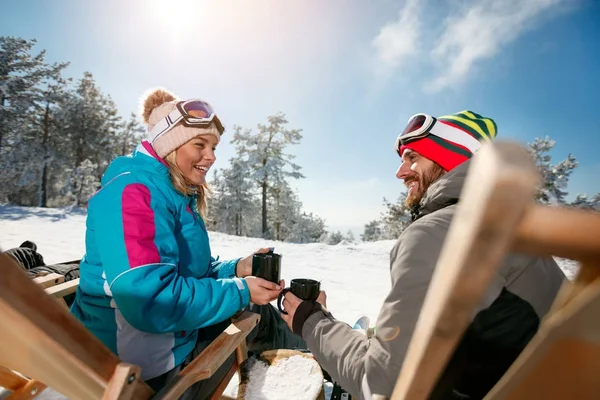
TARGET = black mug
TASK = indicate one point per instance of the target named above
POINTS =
(304, 289)
(267, 266)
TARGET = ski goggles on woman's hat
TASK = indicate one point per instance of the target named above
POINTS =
(191, 113)
(420, 126)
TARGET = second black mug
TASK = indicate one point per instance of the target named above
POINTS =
(305, 289)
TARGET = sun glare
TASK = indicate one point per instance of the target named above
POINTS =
(177, 19)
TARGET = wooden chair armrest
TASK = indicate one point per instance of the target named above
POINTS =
(211, 359)
(63, 289)
(11, 380)
(49, 280)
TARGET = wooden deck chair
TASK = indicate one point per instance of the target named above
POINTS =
(41, 340)
(21, 386)
(497, 214)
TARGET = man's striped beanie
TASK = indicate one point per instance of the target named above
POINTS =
(450, 154)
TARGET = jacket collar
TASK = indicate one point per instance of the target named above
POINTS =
(443, 192)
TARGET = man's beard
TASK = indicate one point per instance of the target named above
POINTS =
(425, 180)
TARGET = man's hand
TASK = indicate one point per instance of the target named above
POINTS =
(290, 305)
(262, 291)
(244, 266)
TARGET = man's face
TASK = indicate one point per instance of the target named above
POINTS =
(418, 173)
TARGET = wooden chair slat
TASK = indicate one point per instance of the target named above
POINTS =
(561, 232)
(209, 361)
(123, 382)
(11, 380)
(63, 289)
(37, 334)
(30, 390)
(49, 280)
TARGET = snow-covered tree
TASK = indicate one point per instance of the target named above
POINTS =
(350, 236)
(82, 183)
(129, 136)
(372, 232)
(332, 238)
(29, 90)
(234, 207)
(307, 228)
(284, 209)
(50, 127)
(265, 153)
(391, 223)
(88, 122)
(582, 201)
(555, 177)
(395, 218)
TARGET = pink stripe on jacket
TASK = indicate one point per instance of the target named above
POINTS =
(139, 230)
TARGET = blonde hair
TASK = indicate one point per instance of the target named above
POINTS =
(185, 187)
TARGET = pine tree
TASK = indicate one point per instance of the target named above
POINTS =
(237, 199)
(555, 177)
(266, 156)
(88, 120)
(307, 228)
(391, 223)
(582, 201)
(284, 209)
(54, 97)
(372, 232)
(82, 183)
(29, 91)
(332, 238)
(130, 135)
(396, 217)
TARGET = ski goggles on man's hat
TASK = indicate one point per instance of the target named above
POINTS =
(420, 126)
(191, 113)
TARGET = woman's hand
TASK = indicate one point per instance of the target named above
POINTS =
(263, 291)
(244, 266)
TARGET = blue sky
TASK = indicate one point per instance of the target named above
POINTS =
(348, 73)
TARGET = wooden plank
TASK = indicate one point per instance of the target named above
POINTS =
(209, 361)
(500, 186)
(26, 348)
(49, 280)
(11, 380)
(218, 393)
(41, 339)
(241, 352)
(63, 289)
(562, 361)
(549, 231)
(123, 382)
(31, 390)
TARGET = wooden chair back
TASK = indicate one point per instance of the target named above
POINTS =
(44, 342)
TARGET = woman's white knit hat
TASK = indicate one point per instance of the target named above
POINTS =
(156, 105)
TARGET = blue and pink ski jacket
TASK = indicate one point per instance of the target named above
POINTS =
(148, 280)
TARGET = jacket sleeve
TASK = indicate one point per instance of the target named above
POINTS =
(136, 240)
(223, 269)
(364, 367)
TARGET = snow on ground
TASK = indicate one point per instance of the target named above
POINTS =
(355, 276)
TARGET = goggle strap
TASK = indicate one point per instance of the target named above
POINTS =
(165, 124)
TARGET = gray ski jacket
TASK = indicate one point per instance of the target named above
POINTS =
(520, 295)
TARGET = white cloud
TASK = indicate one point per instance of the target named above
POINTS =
(479, 32)
(398, 40)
